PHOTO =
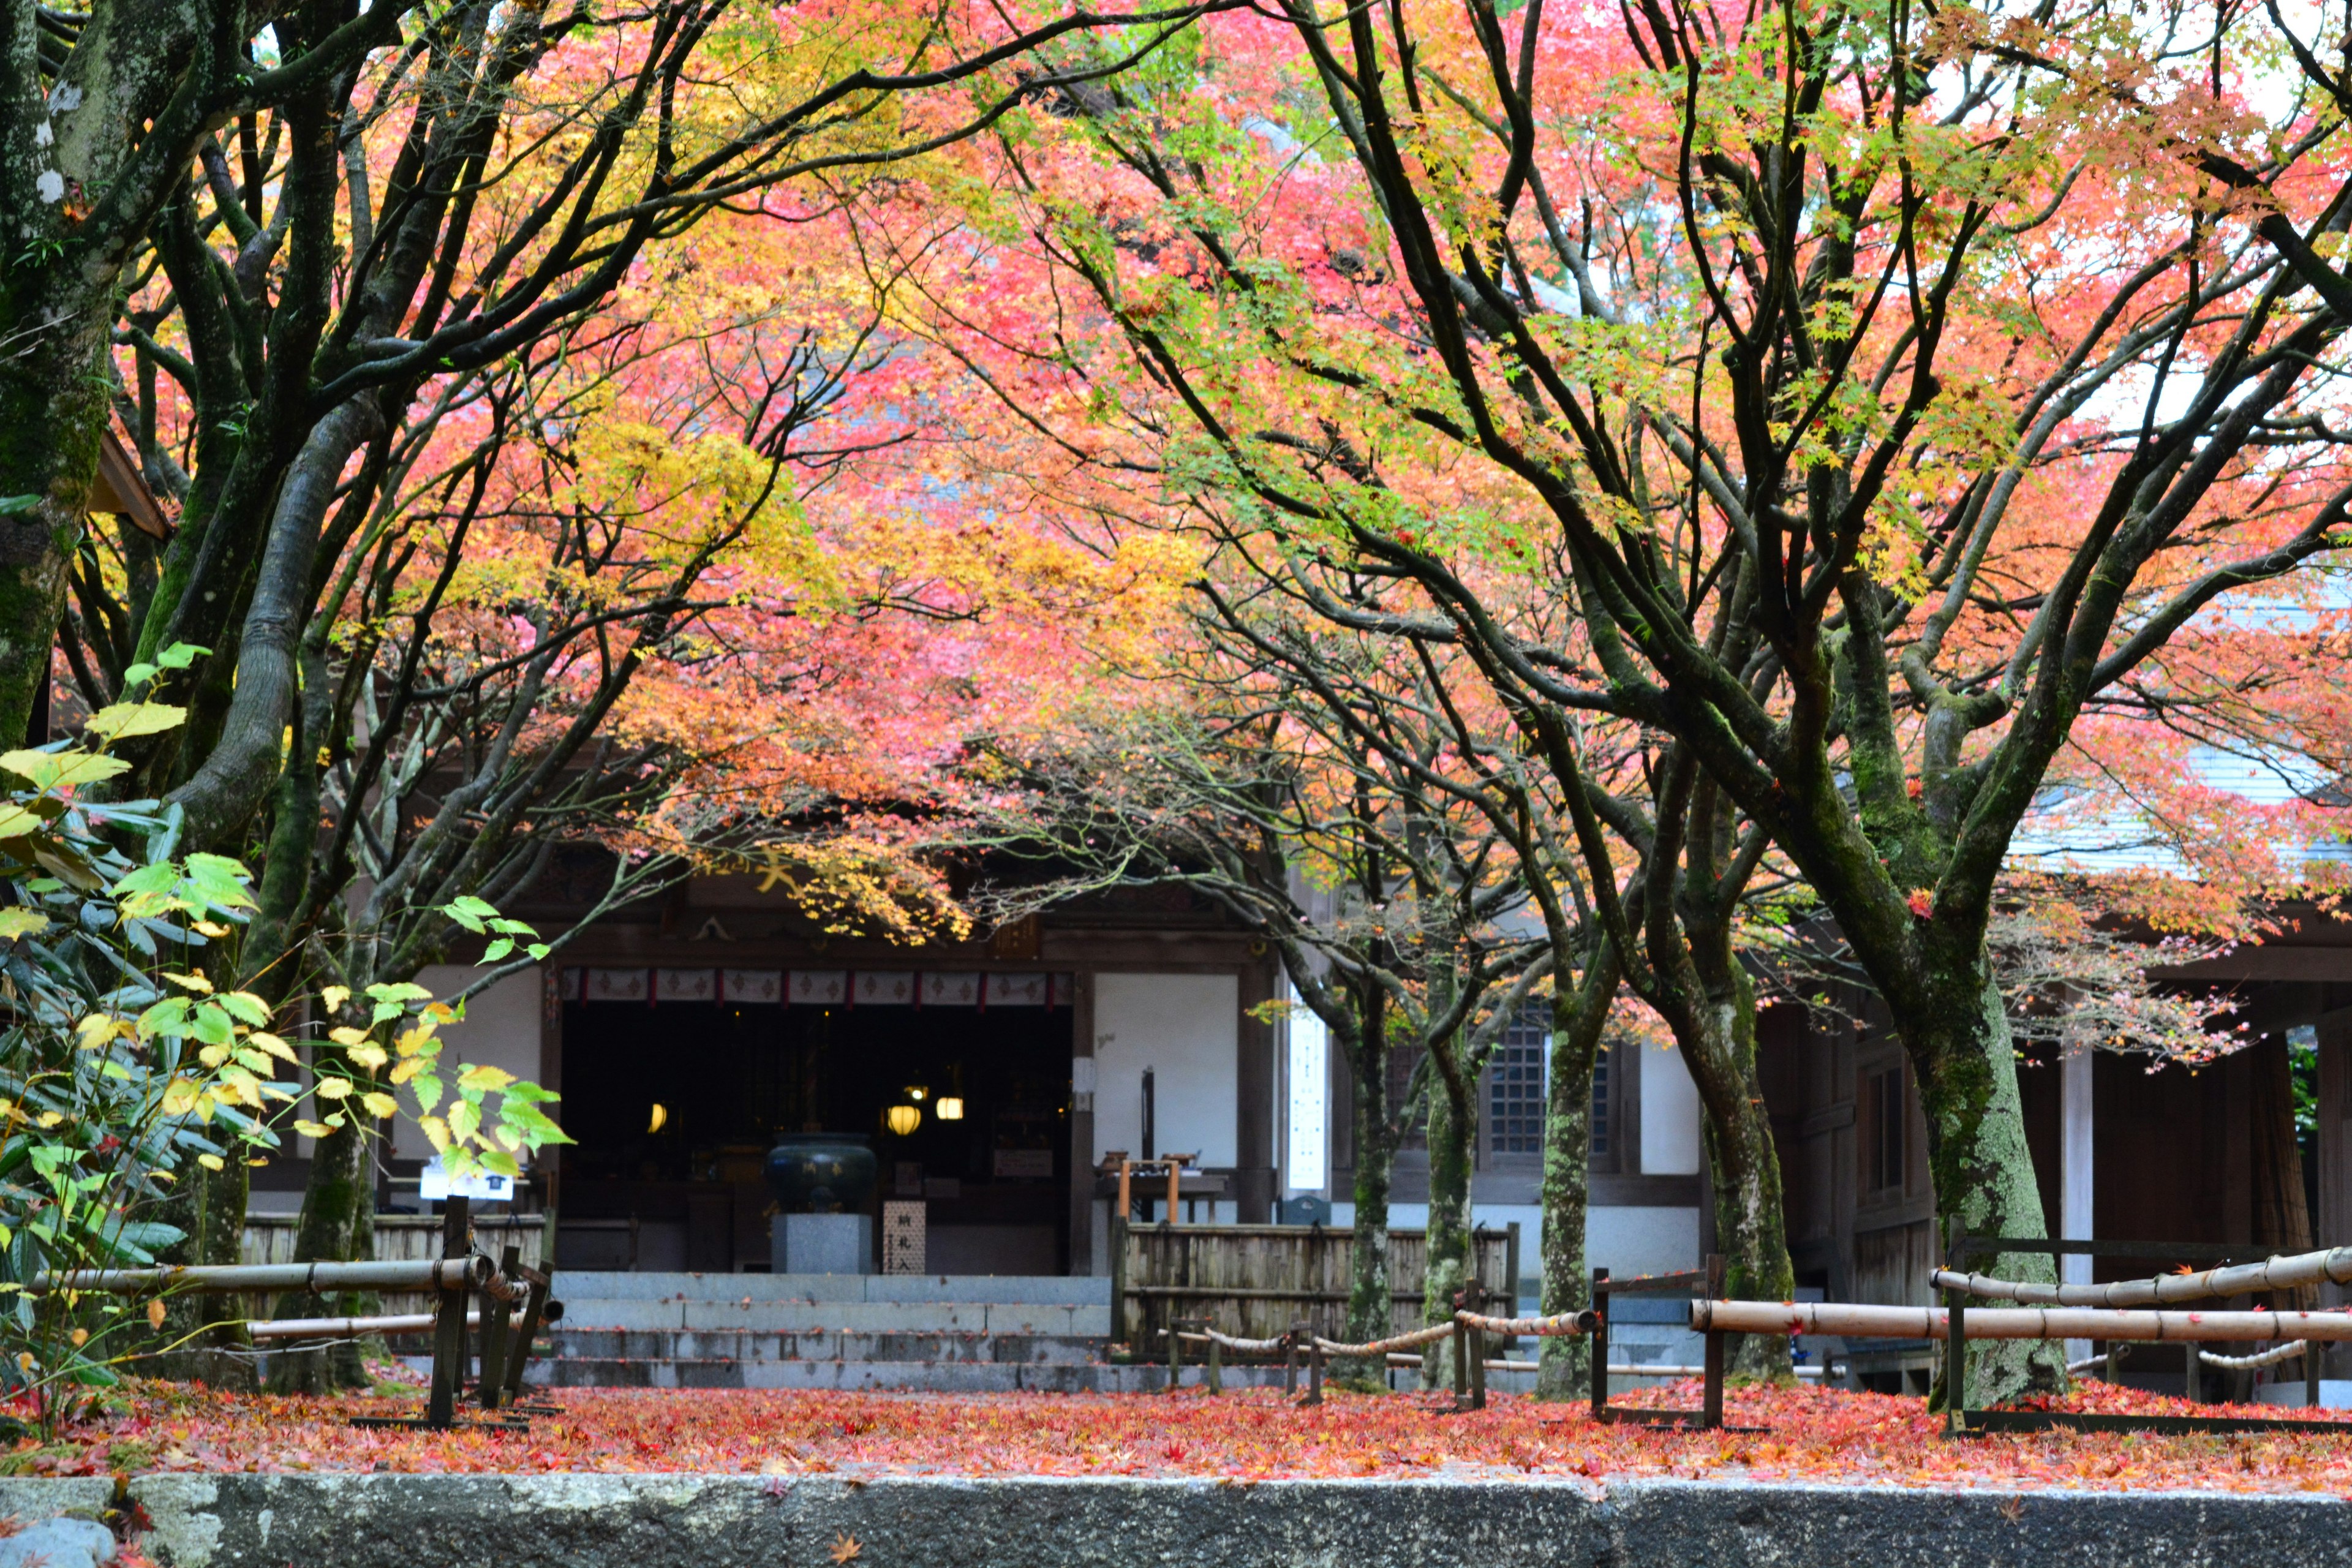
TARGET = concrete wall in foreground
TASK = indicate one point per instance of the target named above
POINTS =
(701, 1522)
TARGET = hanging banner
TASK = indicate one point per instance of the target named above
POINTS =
(763, 986)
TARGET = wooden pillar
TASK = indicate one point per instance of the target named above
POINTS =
(2335, 1218)
(1082, 1125)
(1256, 1180)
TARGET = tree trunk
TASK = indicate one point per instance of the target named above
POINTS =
(338, 1225)
(53, 406)
(1371, 1310)
(2281, 1213)
(1984, 1171)
(1447, 1266)
(1751, 1224)
(203, 1336)
(1564, 1367)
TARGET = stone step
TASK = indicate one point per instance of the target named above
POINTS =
(570, 1342)
(926, 1376)
(583, 1309)
(1044, 1290)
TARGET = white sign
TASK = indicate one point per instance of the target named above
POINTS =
(1309, 1144)
(483, 1186)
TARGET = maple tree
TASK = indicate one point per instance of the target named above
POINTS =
(1885, 396)
(1331, 806)
(494, 362)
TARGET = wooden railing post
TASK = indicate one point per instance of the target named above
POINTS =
(1476, 1340)
(495, 1316)
(1176, 1327)
(1314, 1369)
(1599, 1340)
(1461, 1343)
(1216, 1371)
(1119, 1265)
(1955, 1336)
(1290, 1360)
(450, 1331)
(2313, 1353)
(541, 1282)
(1711, 1410)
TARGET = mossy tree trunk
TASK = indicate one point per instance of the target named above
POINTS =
(1579, 1025)
(1750, 1216)
(1448, 1264)
(1370, 1307)
(1984, 1180)
(338, 1224)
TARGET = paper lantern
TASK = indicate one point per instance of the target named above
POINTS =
(903, 1118)
(949, 1109)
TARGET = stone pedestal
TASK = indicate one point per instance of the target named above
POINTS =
(822, 1244)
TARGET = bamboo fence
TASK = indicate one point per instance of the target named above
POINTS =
(1255, 1281)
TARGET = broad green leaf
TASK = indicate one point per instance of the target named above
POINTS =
(16, 822)
(121, 720)
(19, 921)
(274, 1045)
(249, 1010)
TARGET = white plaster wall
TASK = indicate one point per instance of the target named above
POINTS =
(1621, 1240)
(1670, 1116)
(1187, 1029)
(1642, 1240)
(500, 1029)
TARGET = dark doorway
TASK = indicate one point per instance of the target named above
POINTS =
(689, 1192)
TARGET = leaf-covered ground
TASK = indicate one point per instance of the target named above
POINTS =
(1809, 1434)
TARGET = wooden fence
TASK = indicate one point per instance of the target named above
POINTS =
(1254, 1281)
(399, 1237)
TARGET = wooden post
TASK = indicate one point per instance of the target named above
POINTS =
(449, 1332)
(1290, 1363)
(1600, 1345)
(1176, 1327)
(495, 1324)
(1476, 1338)
(2311, 1357)
(1126, 1190)
(534, 1308)
(2193, 1371)
(1175, 1169)
(1461, 1357)
(1956, 1337)
(1711, 1410)
(1217, 1372)
(1314, 1369)
(1119, 1265)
